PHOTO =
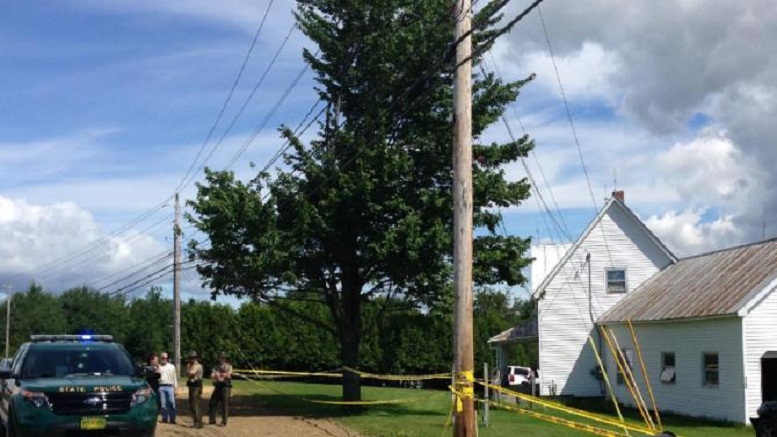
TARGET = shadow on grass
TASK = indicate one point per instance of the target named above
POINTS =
(306, 406)
(605, 406)
(267, 405)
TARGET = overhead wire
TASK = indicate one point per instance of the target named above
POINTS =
(130, 276)
(540, 198)
(49, 268)
(154, 275)
(239, 113)
(153, 259)
(268, 117)
(533, 153)
(84, 257)
(228, 98)
(572, 126)
(89, 246)
(566, 106)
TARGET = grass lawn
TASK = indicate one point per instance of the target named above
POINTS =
(427, 411)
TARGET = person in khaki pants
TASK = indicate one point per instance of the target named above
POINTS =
(194, 372)
(222, 382)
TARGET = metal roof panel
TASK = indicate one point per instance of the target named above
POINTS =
(712, 284)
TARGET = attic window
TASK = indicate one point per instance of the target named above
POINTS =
(616, 280)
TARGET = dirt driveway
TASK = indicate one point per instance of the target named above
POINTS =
(247, 419)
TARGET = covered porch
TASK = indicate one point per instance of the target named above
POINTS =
(526, 333)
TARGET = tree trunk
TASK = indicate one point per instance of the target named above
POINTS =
(350, 335)
(349, 343)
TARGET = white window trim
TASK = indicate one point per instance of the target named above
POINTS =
(625, 279)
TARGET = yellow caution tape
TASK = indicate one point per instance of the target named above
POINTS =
(464, 388)
(573, 411)
(398, 377)
(382, 402)
(557, 420)
(282, 374)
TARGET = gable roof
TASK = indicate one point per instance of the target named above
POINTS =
(725, 282)
(614, 202)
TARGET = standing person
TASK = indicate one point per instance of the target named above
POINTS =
(152, 376)
(194, 373)
(168, 382)
(222, 382)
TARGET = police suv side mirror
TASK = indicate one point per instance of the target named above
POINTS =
(6, 374)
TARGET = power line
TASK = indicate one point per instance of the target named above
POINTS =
(533, 154)
(164, 259)
(228, 98)
(561, 228)
(566, 106)
(268, 117)
(297, 133)
(116, 232)
(572, 126)
(167, 269)
(243, 107)
(84, 257)
(155, 258)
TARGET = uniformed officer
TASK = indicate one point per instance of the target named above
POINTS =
(194, 373)
(222, 382)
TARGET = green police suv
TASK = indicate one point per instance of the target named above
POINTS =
(75, 385)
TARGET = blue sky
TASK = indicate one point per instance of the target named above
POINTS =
(104, 106)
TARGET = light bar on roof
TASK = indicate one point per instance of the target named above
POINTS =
(71, 338)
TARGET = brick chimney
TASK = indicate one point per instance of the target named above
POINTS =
(620, 195)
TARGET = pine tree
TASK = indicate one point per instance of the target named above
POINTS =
(365, 211)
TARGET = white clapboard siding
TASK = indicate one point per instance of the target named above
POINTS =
(760, 337)
(688, 340)
(616, 240)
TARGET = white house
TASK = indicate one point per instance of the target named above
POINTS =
(706, 324)
(707, 330)
(613, 256)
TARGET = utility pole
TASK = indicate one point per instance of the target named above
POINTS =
(177, 287)
(462, 225)
(8, 294)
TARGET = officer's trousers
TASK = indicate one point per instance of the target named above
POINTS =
(195, 398)
(220, 396)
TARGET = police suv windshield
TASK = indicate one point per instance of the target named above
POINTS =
(63, 360)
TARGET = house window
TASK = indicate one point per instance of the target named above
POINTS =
(711, 369)
(667, 368)
(616, 281)
(628, 355)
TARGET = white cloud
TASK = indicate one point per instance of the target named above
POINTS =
(60, 245)
(686, 233)
(708, 170)
(587, 74)
(668, 71)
